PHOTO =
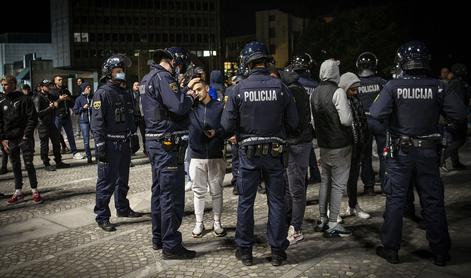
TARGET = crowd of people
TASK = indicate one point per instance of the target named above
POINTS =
(271, 117)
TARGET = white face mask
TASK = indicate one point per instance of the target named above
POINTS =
(120, 76)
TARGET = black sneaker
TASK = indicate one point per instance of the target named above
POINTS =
(130, 214)
(62, 165)
(156, 246)
(180, 253)
(235, 190)
(244, 255)
(89, 160)
(441, 260)
(107, 226)
(369, 191)
(49, 167)
(387, 254)
(278, 256)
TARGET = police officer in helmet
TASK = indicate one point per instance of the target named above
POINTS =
(261, 147)
(413, 103)
(370, 86)
(166, 108)
(114, 131)
(181, 61)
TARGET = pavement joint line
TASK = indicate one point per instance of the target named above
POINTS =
(58, 254)
(54, 222)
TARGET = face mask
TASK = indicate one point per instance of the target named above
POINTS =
(120, 76)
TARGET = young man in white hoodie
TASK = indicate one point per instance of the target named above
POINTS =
(332, 119)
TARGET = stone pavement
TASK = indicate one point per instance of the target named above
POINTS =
(60, 239)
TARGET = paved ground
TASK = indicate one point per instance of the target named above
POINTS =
(60, 239)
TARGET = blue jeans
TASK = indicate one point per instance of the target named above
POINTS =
(85, 127)
(66, 123)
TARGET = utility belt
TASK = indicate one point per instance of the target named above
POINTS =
(407, 143)
(172, 141)
(117, 137)
(253, 149)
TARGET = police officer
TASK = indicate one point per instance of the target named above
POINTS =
(113, 126)
(370, 86)
(181, 62)
(18, 119)
(301, 64)
(166, 110)
(414, 103)
(261, 148)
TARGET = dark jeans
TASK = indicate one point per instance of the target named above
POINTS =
(296, 173)
(18, 146)
(44, 136)
(66, 123)
(357, 156)
(314, 173)
(4, 159)
(85, 127)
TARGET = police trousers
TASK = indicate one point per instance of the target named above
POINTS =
(168, 195)
(113, 177)
(422, 167)
(272, 170)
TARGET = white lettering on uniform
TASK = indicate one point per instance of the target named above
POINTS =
(368, 89)
(260, 95)
(414, 93)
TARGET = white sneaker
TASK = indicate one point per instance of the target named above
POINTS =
(294, 236)
(218, 230)
(198, 230)
(188, 186)
(78, 156)
(357, 211)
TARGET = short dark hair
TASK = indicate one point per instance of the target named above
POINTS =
(26, 87)
(55, 76)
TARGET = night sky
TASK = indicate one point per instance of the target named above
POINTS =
(441, 26)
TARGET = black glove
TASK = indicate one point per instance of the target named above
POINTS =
(134, 144)
(101, 153)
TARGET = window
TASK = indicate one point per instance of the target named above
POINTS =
(198, 36)
(165, 37)
(272, 49)
(271, 18)
(81, 37)
(77, 38)
(271, 33)
(77, 53)
(84, 37)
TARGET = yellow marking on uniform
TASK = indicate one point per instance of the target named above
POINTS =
(97, 104)
(174, 87)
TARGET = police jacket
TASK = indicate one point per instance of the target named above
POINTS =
(18, 117)
(80, 101)
(307, 82)
(260, 106)
(165, 106)
(413, 104)
(304, 132)
(369, 89)
(205, 117)
(62, 110)
(112, 117)
(45, 113)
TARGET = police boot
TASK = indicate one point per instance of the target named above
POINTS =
(130, 214)
(388, 254)
(107, 226)
(278, 256)
(244, 255)
(441, 260)
(179, 253)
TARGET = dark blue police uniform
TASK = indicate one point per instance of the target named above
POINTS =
(112, 124)
(413, 105)
(166, 108)
(259, 111)
(367, 92)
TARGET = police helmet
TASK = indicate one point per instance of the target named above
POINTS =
(254, 51)
(366, 64)
(114, 61)
(181, 57)
(459, 70)
(242, 71)
(302, 61)
(413, 55)
(161, 54)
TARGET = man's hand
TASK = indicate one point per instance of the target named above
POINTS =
(192, 94)
(233, 140)
(85, 107)
(5, 146)
(134, 144)
(51, 104)
(193, 82)
(101, 155)
(210, 133)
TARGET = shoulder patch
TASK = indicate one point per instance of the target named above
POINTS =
(174, 87)
(97, 104)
